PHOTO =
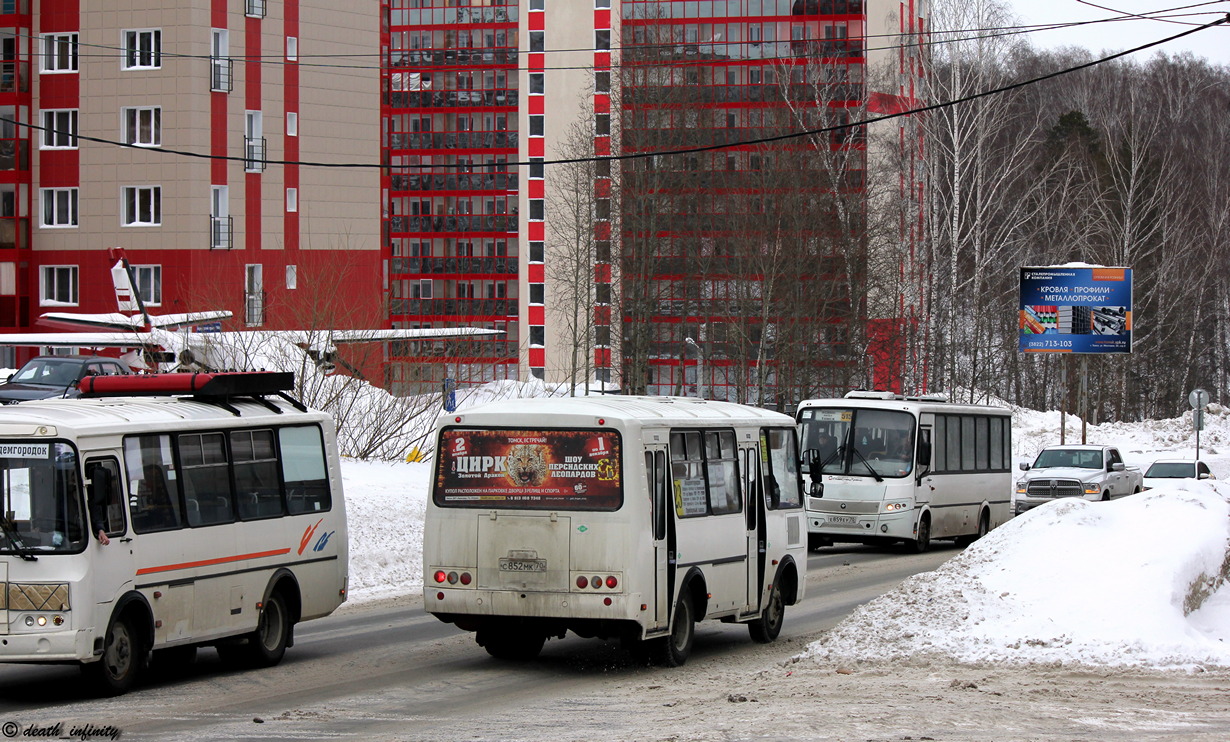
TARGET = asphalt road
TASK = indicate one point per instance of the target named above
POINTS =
(395, 672)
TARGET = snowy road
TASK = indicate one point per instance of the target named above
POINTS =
(392, 672)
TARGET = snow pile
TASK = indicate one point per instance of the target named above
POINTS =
(1139, 582)
(385, 508)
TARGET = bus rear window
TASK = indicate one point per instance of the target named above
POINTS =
(529, 469)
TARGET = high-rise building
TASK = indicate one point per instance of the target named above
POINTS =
(173, 132)
(738, 271)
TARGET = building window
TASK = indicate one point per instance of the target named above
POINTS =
(253, 142)
(537, 125)
(602, 293)
(143, 126)
(602, 82)
(149, 283)
(538, 4)
(142, 206)
(538, 336)
(537, 251)
(254, 8)
(219, 218)
(292, 277)
(538, 83)
(292, 124)
(59, 207)
(254, 295)
(292, 199)
(538, 293)
(292, 48)
(537, 170)
(143, 49)
(602, 124)
(220, 77)
(60, 129)
(537, 209)
(602, 4)
(60, 52)
(538, 41)
(602, 40)
(58, 285)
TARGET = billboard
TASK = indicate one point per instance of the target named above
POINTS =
(529, 469)
(1076, 309)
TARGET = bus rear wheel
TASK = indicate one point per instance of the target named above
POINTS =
(516, 646)
(123, 655)
(673, 650)
(266, 646)
(766, 628)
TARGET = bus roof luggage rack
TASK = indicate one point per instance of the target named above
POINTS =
(878, 394)
(212, 388)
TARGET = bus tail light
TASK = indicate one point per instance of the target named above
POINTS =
(466, 579)
(611, 582)
(582, 581)
(452, 578)
(596, 581)
(441, 575)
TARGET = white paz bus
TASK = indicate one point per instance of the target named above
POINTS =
(141, 527)
(887, 468)
(613, 517)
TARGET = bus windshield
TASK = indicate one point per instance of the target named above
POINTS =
(40, 499)
(529, 469)
(859, 442)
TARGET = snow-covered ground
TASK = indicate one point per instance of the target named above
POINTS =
(1135, 582)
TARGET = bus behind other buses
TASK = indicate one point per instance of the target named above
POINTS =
(138, 528)
(886, 468)
(613, 517)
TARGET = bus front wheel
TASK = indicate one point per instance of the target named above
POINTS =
(116, 671)
(674, 650)
(922, 540)
(766, 628)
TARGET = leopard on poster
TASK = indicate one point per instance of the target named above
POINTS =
(573, 469)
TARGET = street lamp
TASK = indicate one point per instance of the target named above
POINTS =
(700, 367)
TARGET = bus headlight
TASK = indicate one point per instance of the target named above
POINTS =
(892, 507)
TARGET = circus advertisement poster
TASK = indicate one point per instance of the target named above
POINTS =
(529, 469)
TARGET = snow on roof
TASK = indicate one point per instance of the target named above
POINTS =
(1138, 581)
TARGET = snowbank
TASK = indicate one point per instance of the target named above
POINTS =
(1135, 582)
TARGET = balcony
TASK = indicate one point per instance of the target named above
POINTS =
(221, 75)
(221, 233)
(454, 140)
(254, 154)
(473, 308)
(453, 99)
(14, 154)
(454, 182)
(458, 266)
(14, 76)
(459, 223)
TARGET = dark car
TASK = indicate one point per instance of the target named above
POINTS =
(56, 376)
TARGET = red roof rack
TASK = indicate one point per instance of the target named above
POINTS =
(212, 387)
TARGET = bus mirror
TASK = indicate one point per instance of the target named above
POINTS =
(817, 489)
(811, 457)
(924, 454)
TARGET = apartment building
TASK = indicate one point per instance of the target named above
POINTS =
(174, 131)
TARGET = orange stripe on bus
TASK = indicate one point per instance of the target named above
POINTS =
(208, 562)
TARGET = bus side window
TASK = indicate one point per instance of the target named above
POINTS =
(207, 478)
(751, 485)
(783, 474)
(256, 474)
(153, 488)
(303, 469)
(104, 496)
(655, 471)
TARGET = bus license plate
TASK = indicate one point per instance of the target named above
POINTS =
(842, 520)
(523, 565)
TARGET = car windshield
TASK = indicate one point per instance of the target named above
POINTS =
(1171, 470)
(1072, 457)
(858, 441)
(48, 371)
(40, 498)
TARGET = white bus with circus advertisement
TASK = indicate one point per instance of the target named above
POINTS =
(613, 517)
(886, 468)
(137, 528)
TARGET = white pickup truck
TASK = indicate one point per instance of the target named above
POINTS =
(1091, 472)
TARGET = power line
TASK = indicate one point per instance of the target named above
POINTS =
(661, 153)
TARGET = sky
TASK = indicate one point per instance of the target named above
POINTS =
(1070, 582)
(1211, 43)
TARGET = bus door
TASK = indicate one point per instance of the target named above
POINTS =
(112, 565)
(657, 470)
(924, 464)
(753, 488)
